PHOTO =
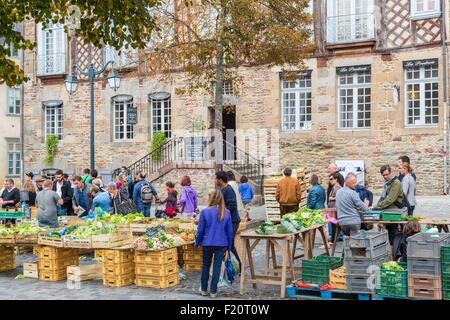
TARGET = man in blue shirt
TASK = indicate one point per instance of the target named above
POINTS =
(229, 197)
(141, 206)
(82, 198)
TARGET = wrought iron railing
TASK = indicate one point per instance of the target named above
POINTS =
(49, 64)
(198, 149)
(350, 28)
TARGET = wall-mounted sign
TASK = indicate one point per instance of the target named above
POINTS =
(420, 63)
(353, 69)
(159, 96)
(195, 148)
(132, 115)
(300, 75)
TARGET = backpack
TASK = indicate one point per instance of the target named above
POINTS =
(146, 194)
(403, 204)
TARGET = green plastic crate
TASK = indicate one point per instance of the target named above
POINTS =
(11, 214)
(446, 294)
(393, 283)
(445, 254)
(445, 267)
(391, 217)
(317, 271)
(445, 280)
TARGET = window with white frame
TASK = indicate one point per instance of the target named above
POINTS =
(13, 157)
(13, 52)
(161, 113)
(123, 130)
(53, 118)
(422, 92)
(124, 58)
(52, 43)
(14, 103)
(296, 103)
(354, 97)
(425, 9)
(350, 20)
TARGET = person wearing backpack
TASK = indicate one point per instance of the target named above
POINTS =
(409, 186)
(392, 197)
(143, 195)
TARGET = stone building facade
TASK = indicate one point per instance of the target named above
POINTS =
(11, 99)
(374, 90)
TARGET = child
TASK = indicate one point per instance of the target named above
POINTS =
(399, 249)
(171, 200)
(246, 191)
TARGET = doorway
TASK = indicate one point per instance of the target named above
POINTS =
(229, 132)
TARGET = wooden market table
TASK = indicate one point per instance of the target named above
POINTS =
(250, 239)
(441, 223)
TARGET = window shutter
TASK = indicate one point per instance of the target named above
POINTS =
(41, 51)
(59, 49)
(331, 21)
(110, 54)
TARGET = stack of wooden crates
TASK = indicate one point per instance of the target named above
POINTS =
(7, 258)
(53, 262)
(270, 188)
(118, 268)
(192, 258)
(157, 269)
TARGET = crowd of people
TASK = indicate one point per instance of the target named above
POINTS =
(351, 200)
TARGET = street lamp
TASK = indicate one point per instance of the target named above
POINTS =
(72, 85)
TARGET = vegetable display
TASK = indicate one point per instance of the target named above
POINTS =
(410, 218)
(392, 266)
(122, 219)
(4, 231)
(266, 227)
(287, 226)
(158, 241)
(188, 235)
(92, 227)
(27, 228)
(306, 217)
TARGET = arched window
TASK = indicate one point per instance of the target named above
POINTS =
(161, 113)
(122, 130)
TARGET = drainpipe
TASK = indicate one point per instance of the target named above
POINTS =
(445, 83)
(22, 117)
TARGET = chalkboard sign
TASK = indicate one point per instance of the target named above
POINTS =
(195, 148)
(132, 115)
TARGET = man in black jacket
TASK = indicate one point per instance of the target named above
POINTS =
(64, 190)
(10, 195)
(229, 197)
(332, 168)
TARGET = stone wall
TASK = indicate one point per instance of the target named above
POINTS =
(202, 181)
(258, 119)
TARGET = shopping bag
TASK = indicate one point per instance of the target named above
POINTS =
(229, 269)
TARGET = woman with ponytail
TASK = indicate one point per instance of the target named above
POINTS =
(215, 235)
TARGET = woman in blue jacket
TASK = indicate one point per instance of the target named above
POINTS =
(316, 195)
(215, 235)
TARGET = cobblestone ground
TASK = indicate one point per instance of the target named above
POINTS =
(10, 288)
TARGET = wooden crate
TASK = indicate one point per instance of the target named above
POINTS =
(6, 251)
(23, 249)
(338, 279)
(192, 266)
(156, 257)
(45, 275)
(36, 250)
(124, 228)
(9, 239)
(192, 256)
(77, 243)
(157, 270)
(118, 269)
(44, 239)
(158, 282)
(27, 239)
(57, 264)
(85, 272)
(105, 241)
(30, 270)
(139, 228)
(56, 253)
(98, 254)
(117, 256)
(109, 281)
(7, 260)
